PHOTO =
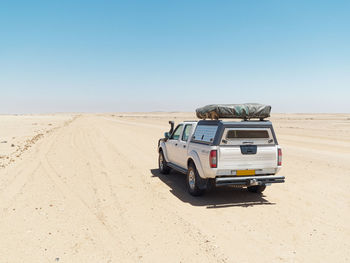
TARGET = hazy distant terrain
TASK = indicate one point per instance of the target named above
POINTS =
(85, 188)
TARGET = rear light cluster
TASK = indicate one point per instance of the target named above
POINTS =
(279, 160)
(213, 160)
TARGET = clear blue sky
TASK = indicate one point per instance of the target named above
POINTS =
(174, 55)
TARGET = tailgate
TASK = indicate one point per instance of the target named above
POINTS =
(247, 148)
(231, 157)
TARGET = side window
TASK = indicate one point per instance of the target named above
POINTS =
(176, 133)
(186, 132)
(205, 133)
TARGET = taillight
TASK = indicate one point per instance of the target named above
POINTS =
(279, 160)
(213, 160)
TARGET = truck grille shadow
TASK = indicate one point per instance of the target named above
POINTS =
(220, 197)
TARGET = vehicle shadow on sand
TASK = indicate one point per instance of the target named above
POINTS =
(217, 198)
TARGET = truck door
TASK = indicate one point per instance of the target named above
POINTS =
(181, 152)
(172, 144)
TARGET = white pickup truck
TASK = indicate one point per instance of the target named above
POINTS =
(217, 153)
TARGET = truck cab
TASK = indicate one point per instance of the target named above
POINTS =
(178, 142)
(218, 153)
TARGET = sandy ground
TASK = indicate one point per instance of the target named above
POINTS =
(20, 132)
(86, 189)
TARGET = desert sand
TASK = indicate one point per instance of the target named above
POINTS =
(85, 188)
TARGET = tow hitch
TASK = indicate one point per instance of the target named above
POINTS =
(252, 182)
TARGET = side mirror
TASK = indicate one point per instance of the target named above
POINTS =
(166, 135)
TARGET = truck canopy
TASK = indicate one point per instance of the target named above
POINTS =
(212, 131)
(237, 111)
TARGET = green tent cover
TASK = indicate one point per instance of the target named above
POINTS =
(237, 111)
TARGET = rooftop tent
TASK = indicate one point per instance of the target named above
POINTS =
(237, 111)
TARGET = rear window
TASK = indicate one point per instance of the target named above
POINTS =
(240, 136)
(186, 132)
(253, 134)
(205, 133)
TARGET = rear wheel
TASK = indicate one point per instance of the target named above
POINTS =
(192, 181)
(162, 164)
(257, 188)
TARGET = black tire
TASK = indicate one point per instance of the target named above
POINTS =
(257, 188)
(192, 180)
(162, 164)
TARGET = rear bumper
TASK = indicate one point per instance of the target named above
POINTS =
(249, 180)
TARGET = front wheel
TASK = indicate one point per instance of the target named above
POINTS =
(162, 164)
(257, 188)
(192, 181)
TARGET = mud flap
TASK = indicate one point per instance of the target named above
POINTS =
(202, 183)
(206, 184)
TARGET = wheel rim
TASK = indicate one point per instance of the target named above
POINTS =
(161, 165)
(191, 179)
